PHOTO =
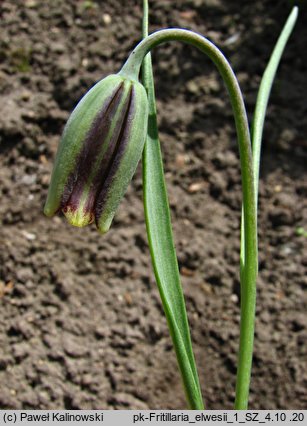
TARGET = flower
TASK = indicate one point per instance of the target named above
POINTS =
(101, 146)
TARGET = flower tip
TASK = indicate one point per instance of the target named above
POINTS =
(48, 211)
(103, 229)
(78, 217)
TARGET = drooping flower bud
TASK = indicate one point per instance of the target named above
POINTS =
(100, 148)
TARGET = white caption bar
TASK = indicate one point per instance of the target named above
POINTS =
(153, 417)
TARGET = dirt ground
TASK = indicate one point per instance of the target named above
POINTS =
(81, 323)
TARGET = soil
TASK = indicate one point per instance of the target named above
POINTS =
(81, 322)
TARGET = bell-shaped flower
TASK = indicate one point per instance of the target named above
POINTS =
(101, 146)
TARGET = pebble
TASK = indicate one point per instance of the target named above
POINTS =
(29, 179)
(28, 235)
(106, 18)
(196, 187)
(234, 298)
(31, 4)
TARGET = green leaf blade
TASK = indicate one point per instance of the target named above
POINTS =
(165, 263)
(248, 312)
(265, 91)
(161, 242)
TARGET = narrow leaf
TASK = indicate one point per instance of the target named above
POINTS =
(243, 373)
(265, 90)
(161, 243)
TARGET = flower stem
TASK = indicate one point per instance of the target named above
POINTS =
(249, 273)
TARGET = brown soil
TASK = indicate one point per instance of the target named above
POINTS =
(81, 323)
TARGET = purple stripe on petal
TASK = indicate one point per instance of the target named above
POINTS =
(108, 157)
(86, 159)
(122, 142)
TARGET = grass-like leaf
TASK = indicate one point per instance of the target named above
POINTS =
(264, 93)
(247, 312)
(161, 243)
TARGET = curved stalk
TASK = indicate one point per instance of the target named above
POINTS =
(249, 273)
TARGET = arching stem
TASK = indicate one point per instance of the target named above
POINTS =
(249, 266)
